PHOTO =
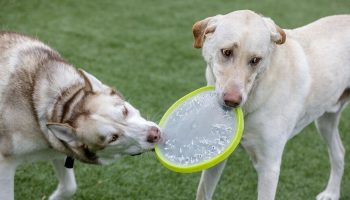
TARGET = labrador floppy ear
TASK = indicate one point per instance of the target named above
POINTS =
(92, 84)
(277, 34)
(203, 27)
(63, 132)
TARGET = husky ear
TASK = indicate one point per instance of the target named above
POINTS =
(201, 28)
(277, 34)
(92, 84)
(63, 132)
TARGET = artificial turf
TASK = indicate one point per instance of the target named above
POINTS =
(144, 49)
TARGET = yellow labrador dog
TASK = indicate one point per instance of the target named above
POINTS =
(48, 110)
(284, 80)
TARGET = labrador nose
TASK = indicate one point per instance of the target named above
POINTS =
(153, 135)
(232, 99)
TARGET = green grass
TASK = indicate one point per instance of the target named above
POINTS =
(144, 48)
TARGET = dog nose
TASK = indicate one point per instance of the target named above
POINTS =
(232, 99)
(153, 135)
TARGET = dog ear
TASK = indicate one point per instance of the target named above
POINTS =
(277, 34)
(63, 132)
(203, 27)
(88, 85)
(92, 84)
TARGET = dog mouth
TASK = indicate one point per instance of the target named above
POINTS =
(136, 154)
(90, 155)
(139, 153)
(227, 106)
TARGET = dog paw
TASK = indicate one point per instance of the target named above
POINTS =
(62, 194)
(325, 195)
(59, 197)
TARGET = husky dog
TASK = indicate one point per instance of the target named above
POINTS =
(49, 110)
(283, 80)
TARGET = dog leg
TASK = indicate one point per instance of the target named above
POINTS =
(266, 151)
(327, 125)
(209, 180)
(268, 169)
(7, 175)
(268, 175)
(67, 185)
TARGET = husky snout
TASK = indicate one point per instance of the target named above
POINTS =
(153, 134)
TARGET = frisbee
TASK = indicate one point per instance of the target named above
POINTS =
(198, 132)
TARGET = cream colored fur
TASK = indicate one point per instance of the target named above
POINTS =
(303, 79)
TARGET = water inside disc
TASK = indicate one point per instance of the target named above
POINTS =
(197, 130)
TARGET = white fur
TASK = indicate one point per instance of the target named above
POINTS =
(295, 83)
(35, 86)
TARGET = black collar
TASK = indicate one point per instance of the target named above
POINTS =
(69, 162)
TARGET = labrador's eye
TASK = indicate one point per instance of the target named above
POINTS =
(226, 52)
(125, 112)
(254, 61)
(114, 138)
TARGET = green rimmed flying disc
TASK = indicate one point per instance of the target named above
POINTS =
(198, 132)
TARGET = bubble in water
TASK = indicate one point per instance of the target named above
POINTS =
(170, 157)
(193, 159)
(186, 146)
(213, 94)
(181, 159)
(228, 129)
(179, 114)
(203, 141)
